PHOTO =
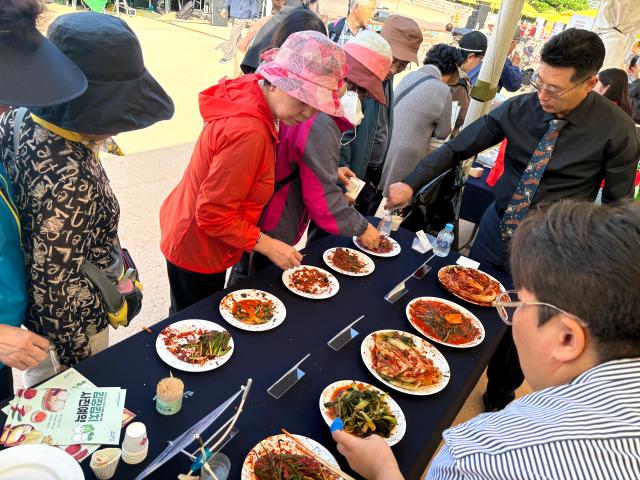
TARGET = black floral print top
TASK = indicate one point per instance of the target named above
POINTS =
(69, 214)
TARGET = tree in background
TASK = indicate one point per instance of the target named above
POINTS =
(559, 5)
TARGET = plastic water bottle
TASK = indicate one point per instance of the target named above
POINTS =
(384, 227)
(444, 241)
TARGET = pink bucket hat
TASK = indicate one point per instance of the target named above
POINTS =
(372, 51)
(309, 67)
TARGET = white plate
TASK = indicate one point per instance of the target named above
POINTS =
(398, 431)
(173, 361)
(443, 269)
(38, 462)
(226, 304)
(395, 251)
(330, 290)
(475, 320)
(283, 444)
(368, 268)
(425, 348)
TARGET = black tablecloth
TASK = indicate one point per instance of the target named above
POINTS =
(134, 364)
(477, 196)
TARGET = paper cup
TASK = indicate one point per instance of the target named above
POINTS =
(396, 220)
(104, 462)
(135, 438)
(476, 172)
(134, 458)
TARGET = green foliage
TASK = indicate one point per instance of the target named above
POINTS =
(559, 5)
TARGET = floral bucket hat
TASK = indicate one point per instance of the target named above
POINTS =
(309, 67)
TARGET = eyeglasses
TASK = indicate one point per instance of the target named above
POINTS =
(507, 302)
(553, 92)
(400, 65)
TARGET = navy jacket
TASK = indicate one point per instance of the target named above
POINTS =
(511, 77)
(242, 9)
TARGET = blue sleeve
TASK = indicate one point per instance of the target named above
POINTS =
(473, 74)
(511, 77)
(444, 467)
(254, 9)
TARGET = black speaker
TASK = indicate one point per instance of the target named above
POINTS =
(478, 17)
(472, 21)
(218, 20)
(483, 13)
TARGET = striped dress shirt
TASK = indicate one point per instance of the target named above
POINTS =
(587, 429)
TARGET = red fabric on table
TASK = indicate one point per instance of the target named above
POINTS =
(498, 168)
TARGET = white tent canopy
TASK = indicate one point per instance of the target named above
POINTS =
(617, 23)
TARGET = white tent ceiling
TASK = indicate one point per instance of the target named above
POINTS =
(617, 23)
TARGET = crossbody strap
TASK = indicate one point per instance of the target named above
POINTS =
(110, 294)
(335, 29)
(17, 126)
(411, 87)
(286, 180)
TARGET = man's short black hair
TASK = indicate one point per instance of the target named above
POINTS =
(585, 259)
(581, 49)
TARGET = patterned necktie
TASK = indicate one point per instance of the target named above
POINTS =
(526, 189)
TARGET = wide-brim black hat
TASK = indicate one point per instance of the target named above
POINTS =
(122, 95)
(37, 76)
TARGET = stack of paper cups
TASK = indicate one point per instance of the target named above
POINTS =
(136, 444)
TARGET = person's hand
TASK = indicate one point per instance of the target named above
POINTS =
(371, 457)
(20, 348)
(223, 13)
(633, 72)
(399, 195)
(283, 255)
(349, 200)
(344, 174)
(370, 238)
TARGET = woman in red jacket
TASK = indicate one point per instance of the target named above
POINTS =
(210, 218)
